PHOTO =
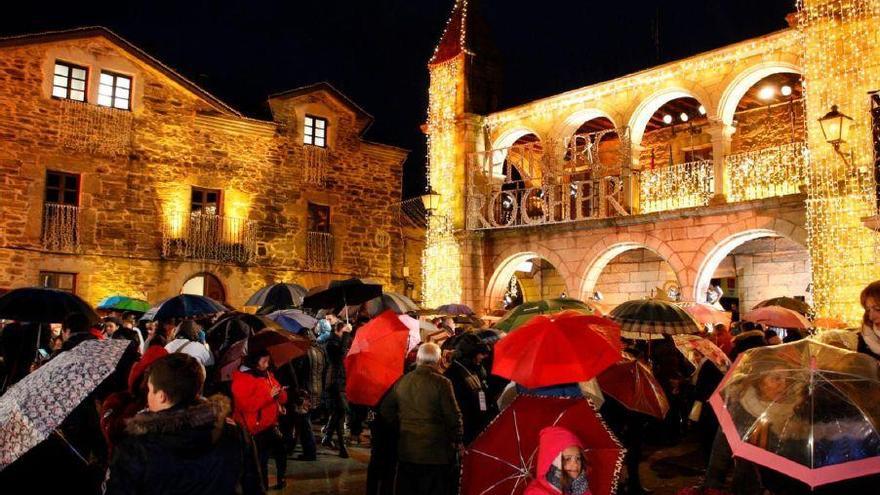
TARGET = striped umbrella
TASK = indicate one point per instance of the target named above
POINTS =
(526, 311)
(278, 296)
(649, 318)
(398, 303)
(124, 303)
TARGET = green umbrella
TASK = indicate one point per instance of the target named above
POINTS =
(124, 303)
(526, 311)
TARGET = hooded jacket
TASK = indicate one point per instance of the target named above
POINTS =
(120, 406)
(185, 450)
(255, 407)
(551, 442)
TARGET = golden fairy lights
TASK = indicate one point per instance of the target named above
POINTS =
(841, 58)
(441, 264)
(685, 185)
(766, 173)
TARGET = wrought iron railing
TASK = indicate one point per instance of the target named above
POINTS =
(319, 250)
(767, 172)
(684, 185)
(60, 227)
(209, 237)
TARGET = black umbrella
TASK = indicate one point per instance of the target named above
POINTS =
(342, 293)
(279, 296)
(41, 305)
(184, 306)
(234, 327)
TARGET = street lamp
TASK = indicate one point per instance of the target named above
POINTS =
(431, 200)
(835, 128)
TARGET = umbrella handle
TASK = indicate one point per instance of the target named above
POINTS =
(60, 435)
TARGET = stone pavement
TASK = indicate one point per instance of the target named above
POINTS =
(665, 470)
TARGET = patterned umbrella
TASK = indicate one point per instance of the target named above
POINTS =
(398, 303)
(184, 306)
(124, 303)
(689, 343)
(278, 296)
(788, 303)
(293, 320)
(648, 318)
(35, 406)
(526, 311)
(41, 305)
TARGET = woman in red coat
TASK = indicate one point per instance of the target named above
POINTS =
(561, 467)
(258, 401)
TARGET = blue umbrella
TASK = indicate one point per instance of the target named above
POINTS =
(184, 306)
(293, 320)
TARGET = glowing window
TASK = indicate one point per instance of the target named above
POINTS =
(114, 91)
(58, 280)
(69, 81)
(315, 131)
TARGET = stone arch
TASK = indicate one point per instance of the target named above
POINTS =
(506, 264)
(724, 240)
(567, 127)
(504, 141)
(744, 80)
(640, 117)
(608, 248)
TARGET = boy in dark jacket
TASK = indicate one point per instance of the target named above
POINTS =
(184, 443)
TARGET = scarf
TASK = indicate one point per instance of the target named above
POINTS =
(778, 416)
(871, 338)
(578, 486)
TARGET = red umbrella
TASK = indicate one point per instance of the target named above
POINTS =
(502, 459)
(564, 347)
(376, 359)
(283, 346)
(777, 316)
(632, 384)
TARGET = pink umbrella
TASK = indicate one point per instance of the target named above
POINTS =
(686, 343)
(778, 317)
(704, 313)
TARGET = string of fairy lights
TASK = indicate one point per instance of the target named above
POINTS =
(441, 266)
(841, 56)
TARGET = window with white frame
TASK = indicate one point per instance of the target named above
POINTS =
(69, 81)
(315, 131)
(114, 91)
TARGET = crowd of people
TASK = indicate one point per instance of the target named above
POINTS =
(170, 420)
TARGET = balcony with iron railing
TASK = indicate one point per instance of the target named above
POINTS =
(60, 229)
(683, 185)
(209, 237)
(319, 250)
(766, 173)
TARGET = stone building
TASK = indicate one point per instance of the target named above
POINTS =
(119, 175)
(707, 171)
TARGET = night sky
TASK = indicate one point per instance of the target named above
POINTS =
(375, 51)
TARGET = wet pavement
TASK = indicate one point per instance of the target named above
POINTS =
(665, 470)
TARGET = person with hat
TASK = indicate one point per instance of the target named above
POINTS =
(469, 382)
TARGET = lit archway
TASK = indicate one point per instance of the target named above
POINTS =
(643, 114)
(784, 280)
(660, 277)
(502, 144)
(204, 284)
(547, 279)
(741, 84)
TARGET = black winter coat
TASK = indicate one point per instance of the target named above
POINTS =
(191, 451)
(468, 380)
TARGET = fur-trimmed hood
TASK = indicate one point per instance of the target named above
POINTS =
(194, 427)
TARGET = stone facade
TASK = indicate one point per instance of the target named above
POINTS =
(137, 169)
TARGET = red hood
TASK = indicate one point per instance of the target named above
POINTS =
(153, 353)
(551, 442)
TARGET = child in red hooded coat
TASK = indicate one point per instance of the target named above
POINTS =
(561, 466)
